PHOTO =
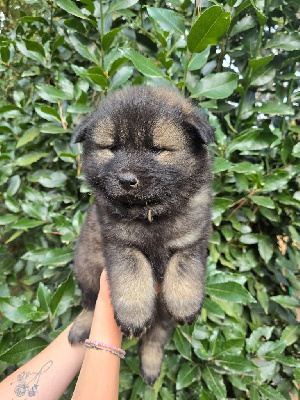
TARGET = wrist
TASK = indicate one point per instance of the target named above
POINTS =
(104, 327)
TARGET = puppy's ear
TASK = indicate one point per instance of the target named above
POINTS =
(82, 131)
(197, 124)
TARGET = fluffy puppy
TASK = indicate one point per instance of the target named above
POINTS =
(146, 161)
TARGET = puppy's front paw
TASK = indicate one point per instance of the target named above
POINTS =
(81, 327)
(132, 330)
(132, 290)
(183, 288)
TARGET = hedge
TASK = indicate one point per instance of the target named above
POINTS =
(239, 61)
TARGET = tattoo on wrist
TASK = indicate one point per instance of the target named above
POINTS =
(28, 382)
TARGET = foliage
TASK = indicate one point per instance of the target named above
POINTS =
(237, 59)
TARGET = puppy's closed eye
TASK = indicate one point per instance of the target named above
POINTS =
(112, 148)
(159, 150)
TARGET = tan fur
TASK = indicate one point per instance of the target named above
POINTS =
(133, 291)
(168, 136)
(183, 287)
(103, 133)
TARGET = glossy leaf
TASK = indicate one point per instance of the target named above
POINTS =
(216, 86)
(208, 29)
(215, 383)
(145, 65)
(230, 291)
(168, 20)
(187, 374)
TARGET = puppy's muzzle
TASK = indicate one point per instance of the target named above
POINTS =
(128, 181)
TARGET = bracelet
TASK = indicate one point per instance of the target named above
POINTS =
(99, 345)
(92, 346)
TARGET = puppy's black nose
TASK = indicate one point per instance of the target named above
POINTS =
(128, 181)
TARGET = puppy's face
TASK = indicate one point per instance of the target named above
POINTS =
(143, 151)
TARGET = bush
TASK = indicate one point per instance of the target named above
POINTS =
(238, 60)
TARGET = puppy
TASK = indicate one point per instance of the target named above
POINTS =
(147, 164)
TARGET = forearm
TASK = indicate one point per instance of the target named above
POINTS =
(99, 375)
(47, 375)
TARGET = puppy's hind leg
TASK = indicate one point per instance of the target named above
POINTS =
(152, 346)
(82, 324)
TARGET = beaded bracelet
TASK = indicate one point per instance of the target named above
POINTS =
(92, 346)
(99, 345)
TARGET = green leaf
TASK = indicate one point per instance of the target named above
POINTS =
(288, 41)
(215, 383)
(208, 29)
(71, 8)
(13, 185)
(51, 93)
(62, 298)
(254, 395)
(52, 128)
(262, 19)
(52, 257)
(244, 24)
(96, 74)
(8, 108)
(26, 223)
(259, 64)
(276, 180)
(109, 37)
(49, 179)
(247, 168)
(251, 139)
(77, 109)
(47, 113)
(265, 248)
(5, 54)
(264, 76)
(120, 5)
(182, 344)
(236, 364)
(263, 201)
(84, 50)
(30, 158)
(28, 136)
(275, 109)
(33, 55)
(168, 20)
(35, 46)
(231, 347)
(121, 77)
(230, 291)
(271, 349)
(27, 19)
(8, 219)
(23, 350)
(220, 164)
(44, 296)
(270, 393)
(12, 204)
(199, 60)
(216, 86)
(145, 65)
(187, 374)
(290, 334)
(297, 375)
(286, 301)
(220, 205)
(296, 150)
